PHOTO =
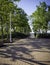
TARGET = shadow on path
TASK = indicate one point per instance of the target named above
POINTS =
(18, 51)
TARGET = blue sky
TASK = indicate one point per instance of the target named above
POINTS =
(29, 6)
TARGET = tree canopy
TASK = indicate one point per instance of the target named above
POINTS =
(41, 18)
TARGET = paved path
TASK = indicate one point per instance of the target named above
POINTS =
(26, 52)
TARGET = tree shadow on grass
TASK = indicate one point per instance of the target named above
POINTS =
(17, 52)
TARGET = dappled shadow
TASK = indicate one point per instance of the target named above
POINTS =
(41, 43)
(15, 55)
(38, 43)
(19, 51)
(4, 64)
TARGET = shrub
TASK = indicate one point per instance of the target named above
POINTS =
(43, 35)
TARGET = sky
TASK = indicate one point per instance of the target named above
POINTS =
(29, 6)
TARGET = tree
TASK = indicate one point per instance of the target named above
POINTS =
(18, 17)
(6, 6)
(41, 18)
(20, 21)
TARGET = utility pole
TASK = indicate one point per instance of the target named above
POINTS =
(10, 29)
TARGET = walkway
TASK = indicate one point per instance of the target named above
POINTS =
(26, 52)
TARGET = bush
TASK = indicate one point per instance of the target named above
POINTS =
(43, 35)
(19, 35)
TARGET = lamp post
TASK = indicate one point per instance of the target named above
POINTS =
(10, 29)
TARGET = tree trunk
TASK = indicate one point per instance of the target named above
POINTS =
(2, 30)
(7, 30)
